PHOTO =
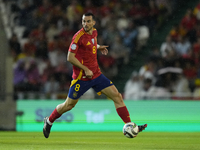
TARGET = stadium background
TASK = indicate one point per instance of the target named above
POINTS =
(23, 108)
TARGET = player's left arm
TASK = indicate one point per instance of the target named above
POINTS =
(102, 48)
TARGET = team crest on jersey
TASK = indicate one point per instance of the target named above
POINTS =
(73, 46)
(93, 41)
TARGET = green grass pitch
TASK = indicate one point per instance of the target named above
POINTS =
(99, 141)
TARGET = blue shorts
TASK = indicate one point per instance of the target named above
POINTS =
(79, 87)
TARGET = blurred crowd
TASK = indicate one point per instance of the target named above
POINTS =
(42, 31)
(173, 69)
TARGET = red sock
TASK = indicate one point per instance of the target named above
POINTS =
(54, 115)
(124, 114)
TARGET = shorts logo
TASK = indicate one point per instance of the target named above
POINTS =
(73, 46)
(74, 94)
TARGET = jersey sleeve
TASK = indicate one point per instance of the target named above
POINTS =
(95, 32)
(73, 47)
(76, 42)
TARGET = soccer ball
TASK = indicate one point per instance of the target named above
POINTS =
(130, 130)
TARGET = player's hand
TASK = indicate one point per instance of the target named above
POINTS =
(88, 73)
(103, 49)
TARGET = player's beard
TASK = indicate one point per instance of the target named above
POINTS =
(87, 29)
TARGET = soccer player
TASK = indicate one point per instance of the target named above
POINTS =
(82, 55)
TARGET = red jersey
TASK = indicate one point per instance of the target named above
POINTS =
(84, 46)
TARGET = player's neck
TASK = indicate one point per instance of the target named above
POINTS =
(89, 32)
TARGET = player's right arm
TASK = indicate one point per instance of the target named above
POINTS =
(74, 61)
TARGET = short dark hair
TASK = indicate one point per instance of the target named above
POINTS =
(89, 14)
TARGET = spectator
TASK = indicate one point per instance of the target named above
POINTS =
(189, 20)
(198, 72)
(165, 7)
(30, 47)
(15, 47)
(133, 87)
(158, 91)
(196, 46)
(44, 9)
(42, 51)
(156, 52)
(57, 15)
(183, 46)
(167, 48)
(33, 23)
(105, 9)
(118, 8)
(73, 13)
(174, 33)
(129, 36)
(64, 83)
(25, 14)
(109, 34)
(66, 33)
(20, 76)
(146, 85)
(122, 22)
(38, 34)
(148, 70)
(42, 64)
(56, 57)
(193, 34)
(108, 66)
(139, 13)
(196, 93)
(51, 86)
(63, 69)
(51, 32)
(152, 16)
(89, 7)
(196, 11)
(48, 71)
(196, 53)
(180, 87)
(33, 77)
(119, 52)
(190, 72)
(107, 20)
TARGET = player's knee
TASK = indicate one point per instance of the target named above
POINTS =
(118, 96)
(115, 92)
